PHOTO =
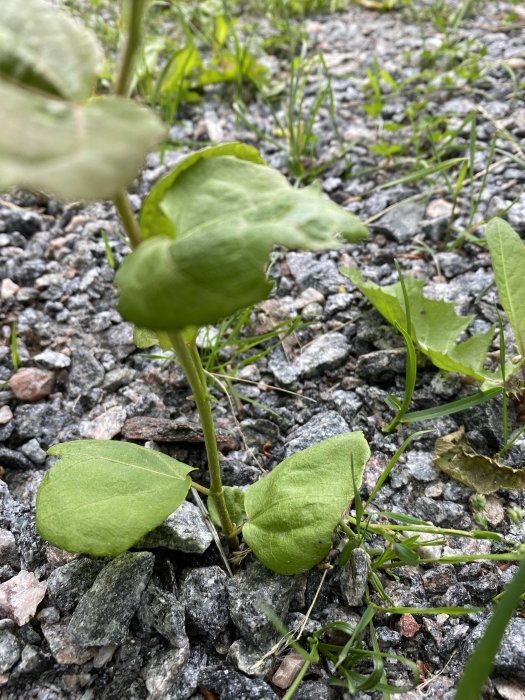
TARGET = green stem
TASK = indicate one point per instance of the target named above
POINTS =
(128, 219)
(198, 487)
(193, 370)
(133, 41)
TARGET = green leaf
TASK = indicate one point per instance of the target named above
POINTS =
(102, 496)
(480, 664)
(293, 511)
(153, 220)
(234, 498)
(145, 338)
(43, 48)
(507, 253)
(456, 458)
(435, 325)
(183, 62)
(71, 150)
(224, 216)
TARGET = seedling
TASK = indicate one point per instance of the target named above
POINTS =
(186, 270)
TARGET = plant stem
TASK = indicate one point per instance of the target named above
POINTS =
(133, 41)
(193, 370)
(128, 219)
(201, 489)
(122, 86)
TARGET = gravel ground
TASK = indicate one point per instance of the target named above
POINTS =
(166, 620)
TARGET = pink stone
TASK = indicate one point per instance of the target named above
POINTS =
(21, 596)
(409, 626)
(32, 384)
(63, 646)
(288, 670)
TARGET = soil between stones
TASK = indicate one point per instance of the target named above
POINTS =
(166, 620)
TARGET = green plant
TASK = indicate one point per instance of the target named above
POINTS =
(186, 270)
(421, 322)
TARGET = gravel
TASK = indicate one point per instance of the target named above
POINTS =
(166, 620)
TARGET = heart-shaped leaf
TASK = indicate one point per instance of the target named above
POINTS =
(293, 511)
(225, 216)
(45, 49)
(153, 220)
(74, 151)
(102, 496)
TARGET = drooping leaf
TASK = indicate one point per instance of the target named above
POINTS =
(153, 220)
(102, 496)
(234, 498)
(293, 511)
(507, 254)
(44, 49)
(71, 150)
(455, 457)
(225, 216)
(435, 325)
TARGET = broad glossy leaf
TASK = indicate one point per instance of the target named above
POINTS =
(435, 325)
(234, 498)
(45, 49)
(293, 511)
(507, 253)
(485, 475)
(153, 220)
(225, 216)
(74, 151)
(102, 496)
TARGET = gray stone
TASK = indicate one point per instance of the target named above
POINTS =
(205, 596)
(249, 659)
(163, 672)
(324, 353)
(8, 551)
(347, 403)
(230, 685)
(510, 659)
(452, 264)
(308, 271)
(10, 649)
(53, 360)
(67, 584)
(420, 466)
(439, 578)
(105, 611)
(323, 425)
(162, 611)
(354, 577)
(380, 366)
(31, 660)
(185, 530)
(402, 222)
(14, 459)
(338, 302)
(34, 452)
(253, 586)
(86, 372)
(189, 677)
(316, 690)
(387, 638)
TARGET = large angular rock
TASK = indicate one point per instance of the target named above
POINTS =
(323, 425)
(205, 596)
(185, 530)
(103, 615)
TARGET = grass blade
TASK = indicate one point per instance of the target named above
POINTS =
(448, 409)
(480, 664)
